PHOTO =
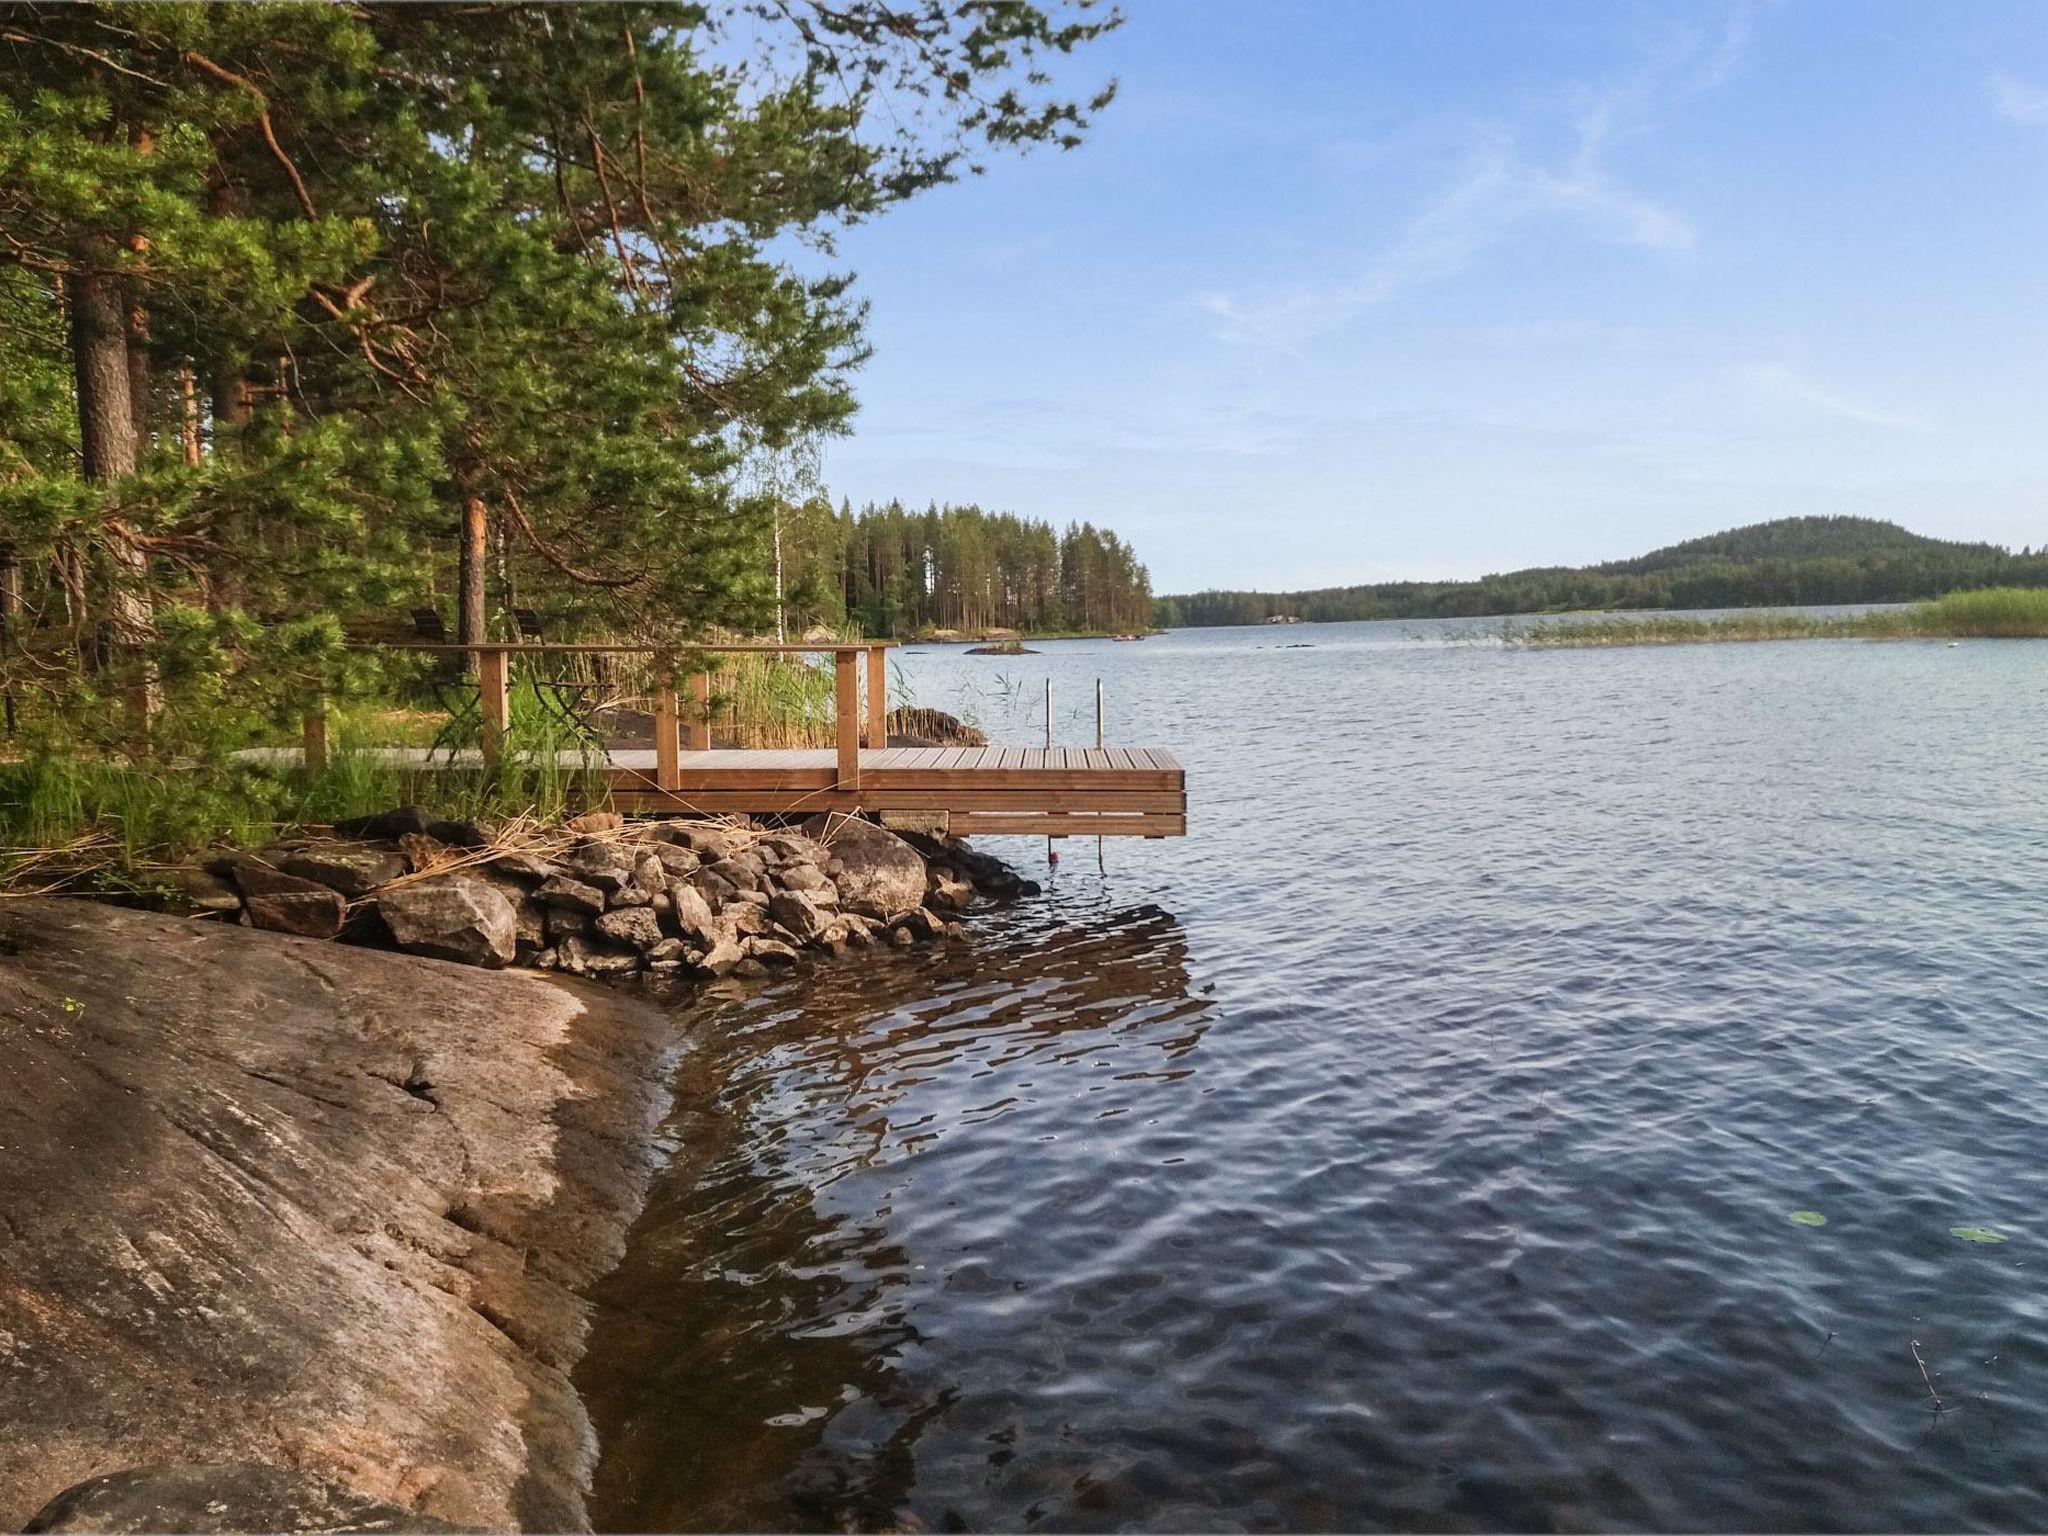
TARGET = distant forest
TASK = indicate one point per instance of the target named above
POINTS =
(1791, 561)
(891, 571)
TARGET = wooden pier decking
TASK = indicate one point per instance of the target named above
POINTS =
(1050, 791)
(996, 791)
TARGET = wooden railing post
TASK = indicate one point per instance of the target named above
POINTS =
(314, 757)
(846, 709)
(668, 740)
(493, 676)
(878, 697)
(700, 712)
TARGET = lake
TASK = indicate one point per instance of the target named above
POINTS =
(1414, 1145)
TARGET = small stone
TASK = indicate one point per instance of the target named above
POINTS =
(797, 876)
(771, 952)
(549, 959)
(701, 838)
(630, 895)
(285, 903)
(750, 968)
(390, 825)
(561, 891)
(668, 951)
(744, 917)
(675, 862)
(636, 926)
(603, 865)
(526, 866)
(740, 872)
(721, 958)
(690, 912)
(918, 923)
(349, 868)
(566, 923)
(459, 834)
(585, 958)
(946, 889)
(649, 873)
(798, 913)
(198, 891)
(712, 886)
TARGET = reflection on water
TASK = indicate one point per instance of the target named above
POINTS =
(759, 1364)
(1432, 1164)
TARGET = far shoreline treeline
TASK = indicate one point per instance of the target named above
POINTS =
(891, 572)
(1789, 562)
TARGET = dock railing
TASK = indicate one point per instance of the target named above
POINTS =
(676, 667)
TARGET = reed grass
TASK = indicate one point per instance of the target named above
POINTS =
(2015, 613)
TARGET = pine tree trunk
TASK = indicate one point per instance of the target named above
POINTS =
(188, 425)
(99, 355)
(139, 392)
(471, 611)
(106, 429)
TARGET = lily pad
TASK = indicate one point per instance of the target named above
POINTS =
(1976, 1234)
(1809, 1218)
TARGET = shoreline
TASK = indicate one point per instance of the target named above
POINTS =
(297, 1227)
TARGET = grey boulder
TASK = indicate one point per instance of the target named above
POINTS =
(349, 868)
(452, 917)
(881, 876)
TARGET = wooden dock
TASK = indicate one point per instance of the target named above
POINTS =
(996, 791)
(1050, 791)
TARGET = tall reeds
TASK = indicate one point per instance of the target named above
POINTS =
(2014, 613)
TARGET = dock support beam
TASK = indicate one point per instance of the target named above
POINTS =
(846, 710)
(700, 712)
(493, 676)
(668, 737)
(878, 698)
(315, 755)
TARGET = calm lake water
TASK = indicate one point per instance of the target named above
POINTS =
(1415, 1144)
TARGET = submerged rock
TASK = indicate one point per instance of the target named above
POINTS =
(452, 917)
(238, 1496)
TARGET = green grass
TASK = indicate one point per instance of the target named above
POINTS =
(1989, 613)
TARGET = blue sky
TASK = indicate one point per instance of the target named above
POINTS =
(1352, 291)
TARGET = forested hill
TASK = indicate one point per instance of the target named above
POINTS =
(1788, 561)
(1801, 538)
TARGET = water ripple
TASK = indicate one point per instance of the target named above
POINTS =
(1415, 1145)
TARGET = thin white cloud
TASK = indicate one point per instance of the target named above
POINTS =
(1786, 386)
(2018, 102)
(1500, 187)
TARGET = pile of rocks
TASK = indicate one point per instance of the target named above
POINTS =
(609, 898)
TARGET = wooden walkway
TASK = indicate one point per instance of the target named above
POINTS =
(1034, 791)
(998, 791)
